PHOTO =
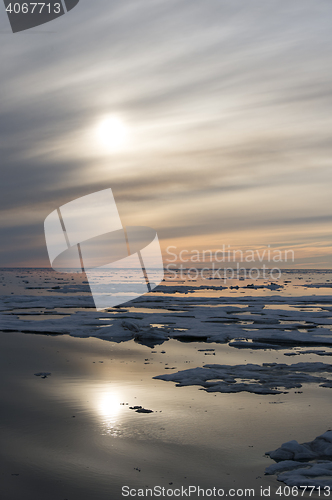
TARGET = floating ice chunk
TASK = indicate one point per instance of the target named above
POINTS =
(321, 447)
(251, 324)
(292, 450)
(283, 466)
(310, 474)
(313, 471)
(140, 409)
(243, 344)
(43, 374)
(269, 378)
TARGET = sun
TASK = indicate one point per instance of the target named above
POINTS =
(112, 133)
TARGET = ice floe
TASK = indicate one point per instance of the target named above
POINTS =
(304, 464)
(321, 447)
(140, 409)
(182, 311)
(43, 374)
(244, 322)
(268, 378)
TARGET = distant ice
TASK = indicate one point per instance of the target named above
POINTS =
(243, 322)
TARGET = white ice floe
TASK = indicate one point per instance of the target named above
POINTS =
(269, 378)
(272, 322)
(321, 447)
(249, 325)
(285, 465)
(311, 470)
(310, 474)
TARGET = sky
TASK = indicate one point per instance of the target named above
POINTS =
(225, 109)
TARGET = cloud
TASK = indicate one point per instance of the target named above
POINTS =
(228, 106)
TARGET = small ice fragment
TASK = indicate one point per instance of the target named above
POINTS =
(140, 409)
(43, 374)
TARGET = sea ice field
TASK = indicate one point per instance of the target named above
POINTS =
(208, 382)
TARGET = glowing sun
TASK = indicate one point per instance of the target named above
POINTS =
(112, 133)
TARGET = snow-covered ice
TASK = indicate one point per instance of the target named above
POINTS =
(244, 322)
(247, 317)
(269, 378)
(304, 464)
(321, 447)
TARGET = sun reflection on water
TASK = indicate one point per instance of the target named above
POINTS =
(109, 407)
